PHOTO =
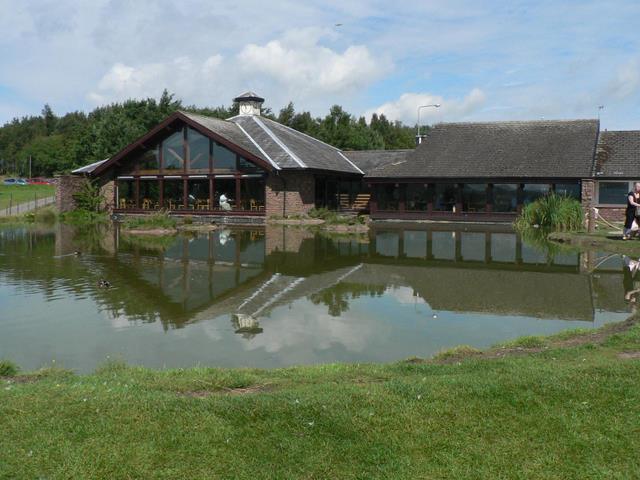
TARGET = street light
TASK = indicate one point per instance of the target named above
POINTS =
(434, 105)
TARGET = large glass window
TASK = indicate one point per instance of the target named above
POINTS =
(198, 197)
(245, 166)
(417, 196)
(613, 193)
(173, 151)
(444, 197)
(173, 193)
(148, 161)
(252, 194)
(126, 193)
(505, 197)
(388, 196)
(225, 195)
(198, 151)
(223, 159)
(474, 197)
(534, 191)
(149, 194)
(572, 190)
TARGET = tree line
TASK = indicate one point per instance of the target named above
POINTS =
(51, 144)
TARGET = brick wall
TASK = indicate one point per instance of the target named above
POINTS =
(610, 214)
(588, 202)
(289, 193)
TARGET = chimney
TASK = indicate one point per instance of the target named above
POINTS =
(249, 103)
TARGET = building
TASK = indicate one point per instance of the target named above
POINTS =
(249, 165)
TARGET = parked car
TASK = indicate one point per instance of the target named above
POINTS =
(37, 181)
(15, 181)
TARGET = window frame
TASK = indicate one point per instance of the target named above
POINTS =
(618, 205)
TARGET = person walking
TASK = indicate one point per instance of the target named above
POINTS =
(632, 213)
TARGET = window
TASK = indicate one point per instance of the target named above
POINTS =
(417, 196)
(148, 161)
(173, 193)
(198, 197)
(474, 197)
(173, 151)
(445, 197)
(126, 193)
(613, 193)
(245, 166)
(149, 194)
(572, 190)
(252, 194)
(388, 196)
(198, 151)
(534, 191)
(225, 188)
(505, 197)
(223, 158)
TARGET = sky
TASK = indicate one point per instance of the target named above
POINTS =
(482, 61)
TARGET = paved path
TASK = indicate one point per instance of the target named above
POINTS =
(27, 206)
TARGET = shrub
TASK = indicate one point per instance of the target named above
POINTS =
(552, 212)
(188, 220)
(8, 369)
(88, 198)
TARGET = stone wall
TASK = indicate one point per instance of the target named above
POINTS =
(67, 186)
(289, 193)
(108, 192)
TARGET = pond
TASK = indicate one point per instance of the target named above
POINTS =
(278, 296)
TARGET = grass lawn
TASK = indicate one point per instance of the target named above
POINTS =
(24, 193)
(567, 407)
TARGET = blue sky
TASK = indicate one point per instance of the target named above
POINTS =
(489, 60)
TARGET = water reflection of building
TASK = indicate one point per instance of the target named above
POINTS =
(249, 273)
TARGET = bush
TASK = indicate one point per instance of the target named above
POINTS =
(8, 369)
(88, 198)
(552, 212)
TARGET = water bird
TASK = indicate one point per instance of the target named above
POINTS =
(104, 283)
(77, 253)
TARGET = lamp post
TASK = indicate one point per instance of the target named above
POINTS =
(434, 105)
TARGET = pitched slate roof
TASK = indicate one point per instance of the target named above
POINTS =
(368, 160)
(289, 148)
(618, 154)
(227, 130)
(532, 149)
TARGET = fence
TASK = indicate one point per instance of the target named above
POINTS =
(24, 207)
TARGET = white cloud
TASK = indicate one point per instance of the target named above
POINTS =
(299, 62)
(451, 109)
(182, 74)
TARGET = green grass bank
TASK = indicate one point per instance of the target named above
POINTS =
(18, 194)
(562, 407)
